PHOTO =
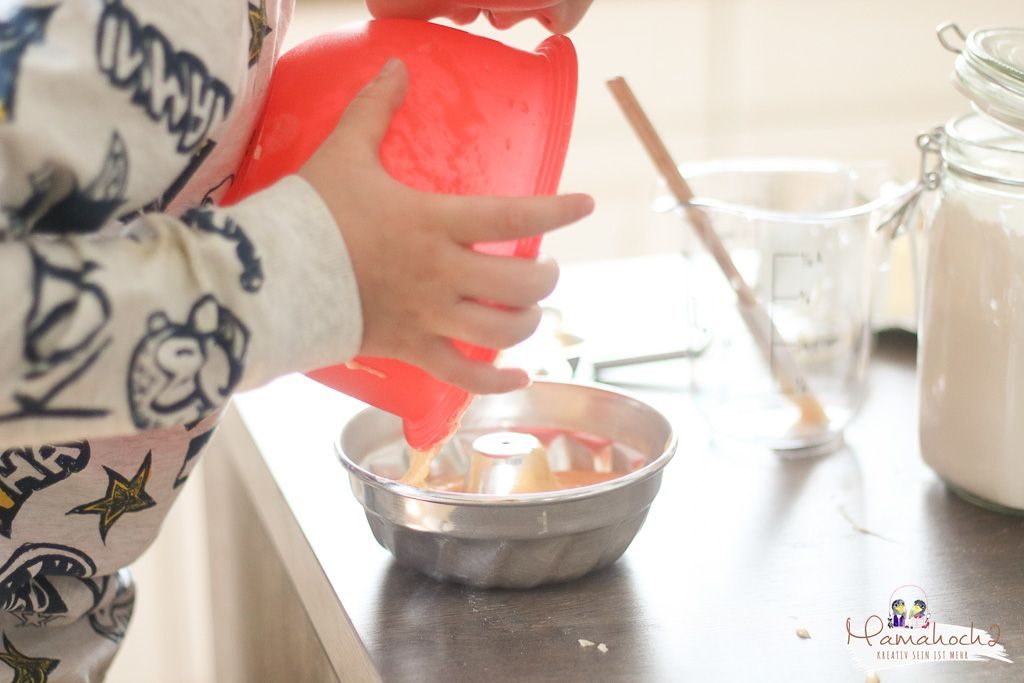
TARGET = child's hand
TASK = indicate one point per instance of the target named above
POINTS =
(419, 284)
(559, 16)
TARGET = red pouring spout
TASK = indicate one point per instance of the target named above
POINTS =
(480, 118)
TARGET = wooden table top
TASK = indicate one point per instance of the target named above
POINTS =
(740, 550)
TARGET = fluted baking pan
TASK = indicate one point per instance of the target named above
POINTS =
(522, 540)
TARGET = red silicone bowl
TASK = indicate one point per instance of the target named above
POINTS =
(480, 118)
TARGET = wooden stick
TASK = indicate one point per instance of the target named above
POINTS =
(771, 343)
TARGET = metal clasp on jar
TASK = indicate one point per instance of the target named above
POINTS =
(929, 177)
(944, 29)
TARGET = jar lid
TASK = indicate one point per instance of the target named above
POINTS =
(989, 70)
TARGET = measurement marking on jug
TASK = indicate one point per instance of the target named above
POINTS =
(787, 272)
(790, 288)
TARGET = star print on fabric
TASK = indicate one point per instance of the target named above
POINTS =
(122, 496)
(259, 30)
(35, 619)
(27, 669)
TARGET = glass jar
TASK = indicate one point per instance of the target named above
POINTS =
(971, 345)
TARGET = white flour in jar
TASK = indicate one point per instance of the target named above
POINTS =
(971, 359)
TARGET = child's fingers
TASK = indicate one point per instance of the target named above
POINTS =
(442, 360)
(493, 219)
(368, 115)
(505, 280)
(490, 327)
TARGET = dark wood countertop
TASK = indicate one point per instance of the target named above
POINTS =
(741, 549)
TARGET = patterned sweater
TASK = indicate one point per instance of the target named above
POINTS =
(131, 308)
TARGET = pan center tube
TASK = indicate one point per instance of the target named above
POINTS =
(504, 463)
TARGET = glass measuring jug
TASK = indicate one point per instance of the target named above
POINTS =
(803, 235)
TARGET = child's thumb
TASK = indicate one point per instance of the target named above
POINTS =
(369, 114)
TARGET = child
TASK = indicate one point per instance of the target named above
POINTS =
(131, 308)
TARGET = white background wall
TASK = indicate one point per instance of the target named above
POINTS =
(847, 80)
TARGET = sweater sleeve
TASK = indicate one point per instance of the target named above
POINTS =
(159, 324)
(111, 325)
